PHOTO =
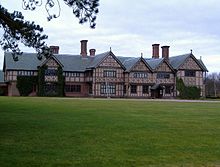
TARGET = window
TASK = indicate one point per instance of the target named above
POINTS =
(25, 73)
(124, 89)
(50, 88)
(108, 88)
(73, 88)
(90, 89)
(163, 75)
(72, 74)
(168, 89)
(76, 74)
(190, 73)
(133, 88)
(109, 73)
(145, 89)
(50, 72)
(140, 75)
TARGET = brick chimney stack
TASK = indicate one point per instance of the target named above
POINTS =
(155, 51)
(92, 52)
(54, 49)
(165, 52)
(83, 47)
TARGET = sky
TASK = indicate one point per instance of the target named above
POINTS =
(130, 28)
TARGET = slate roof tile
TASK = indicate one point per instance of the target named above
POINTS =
(77, 63)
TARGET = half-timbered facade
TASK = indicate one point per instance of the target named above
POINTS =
(106, 75)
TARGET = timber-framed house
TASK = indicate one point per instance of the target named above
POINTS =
(105, 74)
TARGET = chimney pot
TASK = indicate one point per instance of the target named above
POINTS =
(84, 47)
(165, 52)
(92, 52)
(155, 51)
(54, 49)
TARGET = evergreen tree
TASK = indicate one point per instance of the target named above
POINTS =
(17, 30)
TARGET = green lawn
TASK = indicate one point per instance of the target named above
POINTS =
(102, 133)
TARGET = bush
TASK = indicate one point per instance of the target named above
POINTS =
(25, 84)
(187, 92)
(2, 92)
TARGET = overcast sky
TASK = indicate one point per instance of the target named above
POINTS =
(130, 28)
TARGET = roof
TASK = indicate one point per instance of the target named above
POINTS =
(156, 86)
(73, 62)
(26, 61)
(177, 61)
(128, 62)
(29, 61)
(154, 63)
(1, 77)
(95, 60)
(203, 65)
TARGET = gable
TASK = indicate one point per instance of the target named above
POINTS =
(52, 62)
(164, 67)
(191, 64)
(109, 61)
(140, 66)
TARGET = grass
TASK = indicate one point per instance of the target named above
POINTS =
(107, 133)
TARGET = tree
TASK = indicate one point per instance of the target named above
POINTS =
(17, 30)
(213, 85)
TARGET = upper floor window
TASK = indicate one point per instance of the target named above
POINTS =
(140, 75)
(72, 74)
(109, 73)
(25, 73)
(163, 75)
(50, 72)
(190, 73)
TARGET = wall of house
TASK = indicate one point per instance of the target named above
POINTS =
(83, 93)
(99, 78)
(12, 89)
(139, 75)
(166, 82)
(11, 78)
(196, 80)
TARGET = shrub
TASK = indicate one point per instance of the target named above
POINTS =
(187, 92)
(25, 84)
(2, 91)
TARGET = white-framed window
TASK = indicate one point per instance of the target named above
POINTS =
(25, 73)
(140, 75)
(190, 73)
(109, 73)
(50, 72)
(108, 88)
(163, 75)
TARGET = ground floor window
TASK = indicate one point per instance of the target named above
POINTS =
(90, 88)
(50, 88)
(168, 89)
(124, 89)
(145, 89)
(73, 88)
(133, 88)
(108, 88)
